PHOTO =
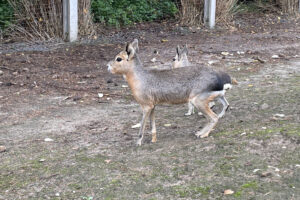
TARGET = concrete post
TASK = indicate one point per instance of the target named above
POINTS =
(212, 14)
(70, 20)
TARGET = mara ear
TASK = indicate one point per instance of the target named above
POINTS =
(185, 50)
(178, 50)
(127, 48)
(135, 45)
(132, 49)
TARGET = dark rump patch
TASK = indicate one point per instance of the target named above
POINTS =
(221, 79)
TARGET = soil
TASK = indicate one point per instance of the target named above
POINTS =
(54, 91)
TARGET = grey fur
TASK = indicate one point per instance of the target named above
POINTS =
(181, 85)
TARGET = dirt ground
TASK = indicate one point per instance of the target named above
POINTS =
(51, 91)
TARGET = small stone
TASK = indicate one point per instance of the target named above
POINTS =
(55, 76)
(15, 73)
(100, 95)
(109, 81)
(224, 53)
(274, 168)
(57, 194)
(256, 170)
(279, 115)
(275, 56)
(48, 140)
(138, 125)
(42, 160)
(153, 60)
(264, 106)
(264, 128)
(244, 133)
(226, 192)
(1, 72)
(266, 174)
(2, 149)
(167, 125)
(25, 69)
(124, 86)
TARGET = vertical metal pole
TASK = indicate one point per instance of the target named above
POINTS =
(206, 11)
(70, 20)
(212, 13)
(73, 20)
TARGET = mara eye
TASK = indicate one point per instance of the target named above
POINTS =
(174, 59)
(119, 59)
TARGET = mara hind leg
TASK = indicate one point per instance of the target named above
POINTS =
(146, 112)
(225, 104)
(202, 103)
(191, 109)
(153, 126)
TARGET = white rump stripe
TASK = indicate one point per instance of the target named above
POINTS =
(227, 86)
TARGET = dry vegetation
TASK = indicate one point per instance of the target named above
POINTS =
(42, 19)
(289, 6)
(192, 11)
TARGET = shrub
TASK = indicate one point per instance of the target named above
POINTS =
(125, 12)
(6, 14)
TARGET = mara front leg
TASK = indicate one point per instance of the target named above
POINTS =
(146, 112)
(153, 126)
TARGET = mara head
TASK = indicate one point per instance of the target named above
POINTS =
(124, 61)
(180, 59)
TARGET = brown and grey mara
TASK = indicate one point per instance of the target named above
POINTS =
(196, 84)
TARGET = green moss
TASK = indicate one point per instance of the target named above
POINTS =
(237, 194)
(252, 185)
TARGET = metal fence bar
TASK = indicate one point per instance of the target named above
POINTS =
(212, 14)
(70, 21)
